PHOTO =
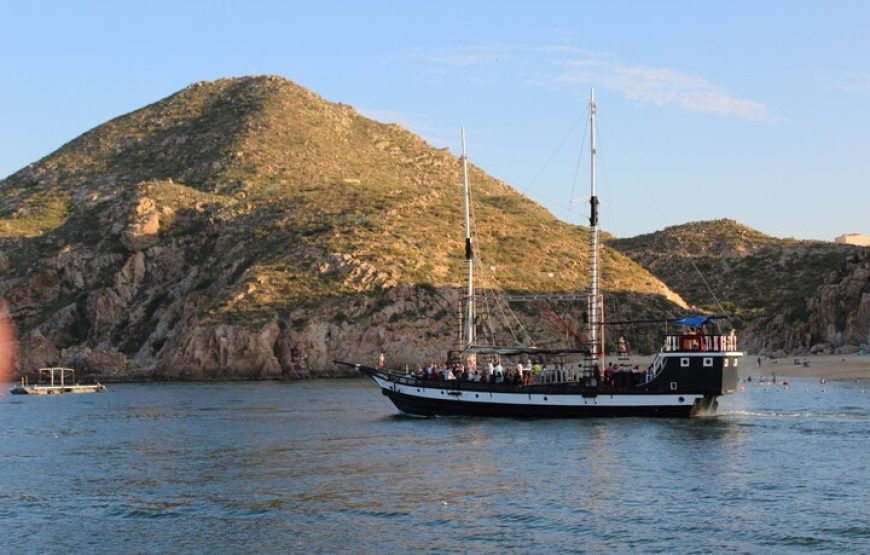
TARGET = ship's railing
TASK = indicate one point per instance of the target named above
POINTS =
(700, 343)
(406, 379)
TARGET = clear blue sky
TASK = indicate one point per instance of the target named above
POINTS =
(757, 111)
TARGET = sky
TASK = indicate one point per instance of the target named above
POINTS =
(755, 111)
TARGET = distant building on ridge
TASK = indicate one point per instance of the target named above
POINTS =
(854, 239)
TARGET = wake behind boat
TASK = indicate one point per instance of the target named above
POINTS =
(696, 364)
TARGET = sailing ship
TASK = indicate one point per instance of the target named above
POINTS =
(694, 366)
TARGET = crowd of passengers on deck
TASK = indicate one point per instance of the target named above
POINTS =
(618, 376)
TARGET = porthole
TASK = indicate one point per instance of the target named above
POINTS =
(735, 363)
(708, 362)
(673, 386)
(684, 362)
(725, 363)
(681, 399)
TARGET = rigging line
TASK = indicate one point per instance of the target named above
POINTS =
(549, 203)
(508, 324)
(602, 171)
(488, 328)
(577, 167)
(481, 266)
(706, 284)
(555, 152)
(483, 277)
(501, 308)
(568, 209)
(507, 313)
(489, 296)
(679, 241)
(602, 166)
(483, 271)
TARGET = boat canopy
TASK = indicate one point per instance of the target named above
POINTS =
(693, 321)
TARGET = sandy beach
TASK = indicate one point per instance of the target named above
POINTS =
(820, 366)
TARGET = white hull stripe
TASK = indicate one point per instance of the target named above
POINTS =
(541, 399)
(705, 354)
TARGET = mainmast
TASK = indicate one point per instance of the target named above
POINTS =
(469, 306)
(593, 302)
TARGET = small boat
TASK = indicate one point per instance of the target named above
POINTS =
(694, 367)
(59, 380)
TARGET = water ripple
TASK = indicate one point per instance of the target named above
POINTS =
(328, 467)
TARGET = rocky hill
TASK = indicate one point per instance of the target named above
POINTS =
(787, 295)
(248, 228)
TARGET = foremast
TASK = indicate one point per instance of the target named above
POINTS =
(594, 298)
(469, 300)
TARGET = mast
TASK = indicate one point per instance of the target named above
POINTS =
(469, 303)
(593, 228)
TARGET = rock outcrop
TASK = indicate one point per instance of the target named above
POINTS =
(838, 319)
(144, 228)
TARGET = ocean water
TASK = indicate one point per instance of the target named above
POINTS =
(330, 467)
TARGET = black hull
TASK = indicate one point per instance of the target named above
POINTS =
(417, 406)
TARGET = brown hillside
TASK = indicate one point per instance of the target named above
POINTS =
(247, 227)
(770, 285)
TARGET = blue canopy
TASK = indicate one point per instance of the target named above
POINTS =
(693, 321)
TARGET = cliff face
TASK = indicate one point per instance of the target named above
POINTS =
(837, 315)
(841, 306)
(247, 228)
